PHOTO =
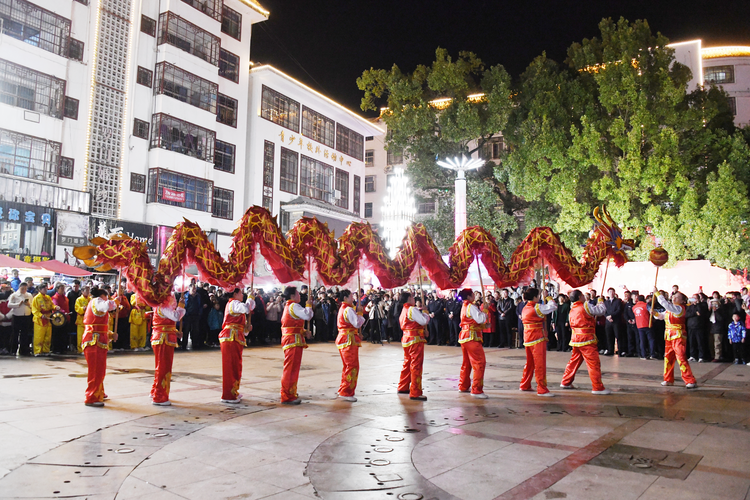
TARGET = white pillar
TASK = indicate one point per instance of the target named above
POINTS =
(460, 202)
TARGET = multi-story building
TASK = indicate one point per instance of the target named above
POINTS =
(727, 67)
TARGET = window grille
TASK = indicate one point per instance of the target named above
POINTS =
(27, 156)
(227, 111)
(288, 171)
(140, 129)
(212, 8)
(316, 179)
(318, 127)
(342, 186)
(137, 183)
(223, 203)
(224, 154)
(145, 76)
(357, 194)
(231, 22)
(186, 36)
(34, 25)
(75, 50)
(71, 108)
(279, 109)
(186, 87)
(229, 66)
(369, 184)
(194, 193)
(349, 142)
(66, 168)
(182, 137)
(269, 150)
(29, 89)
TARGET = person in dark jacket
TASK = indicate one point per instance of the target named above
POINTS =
(453, 313)
(191, 320)
(612, 326)
(695, 331)
(504, 319)
(630, 327)
(519, 315)
(716, 324)
(561, 323)
(436, 308)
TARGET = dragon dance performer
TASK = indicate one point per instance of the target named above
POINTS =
(95, 343)
(138, 323)
(471, 341)
(232, 340)
(349, 341)
(675, 343)
(81, 304)
(293, 335)
(583, 323)
(535, 341)
(164, 339)
(41, 307)
(413, 323)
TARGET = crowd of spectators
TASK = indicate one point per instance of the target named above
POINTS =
(716, 325)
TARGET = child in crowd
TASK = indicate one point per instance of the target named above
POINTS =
(737, 338)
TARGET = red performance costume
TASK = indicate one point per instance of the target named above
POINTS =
(675, 343)
(412, 322)
(292, 343)
(95, 344)
(163, 341)
(349, 342)
(232, 340)
(472, 323)
(583, 341)
(535, 342)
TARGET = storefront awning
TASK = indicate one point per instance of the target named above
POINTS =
(58, 267)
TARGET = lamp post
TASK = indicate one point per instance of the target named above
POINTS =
(398, 210)
(460, 165)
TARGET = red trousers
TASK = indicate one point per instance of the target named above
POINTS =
(163, 356)
(350, 358)
(473, 359)
(536, 362)
(96, 358)
(411, 373)
(676, 349)
(591, 355)
(231, 369)
(290, 375)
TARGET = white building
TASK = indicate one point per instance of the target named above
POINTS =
(727, 67)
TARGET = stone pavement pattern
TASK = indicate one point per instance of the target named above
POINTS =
(644, 441)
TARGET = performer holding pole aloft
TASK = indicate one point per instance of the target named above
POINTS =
(293, 336)
(232, 340)
(95, 343)
(535, 341)
(583, 341)
(675, 342)
(413, 323)
(164, 339)
(349, 321)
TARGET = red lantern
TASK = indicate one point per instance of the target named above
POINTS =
(658, 257)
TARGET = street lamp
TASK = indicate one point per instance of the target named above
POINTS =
(461, 165)
(398, 210)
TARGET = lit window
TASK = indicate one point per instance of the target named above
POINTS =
(279, 109)
(719, 74)
(268, 157)
(318, 127)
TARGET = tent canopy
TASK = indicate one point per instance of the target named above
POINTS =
(12, 263)
(61, 268)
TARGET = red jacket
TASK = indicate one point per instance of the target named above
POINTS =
(640, 310)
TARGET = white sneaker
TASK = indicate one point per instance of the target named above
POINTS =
(546, 395)
(691, 358)
(231, 401)
(602, 393)
(690, 386)
(665, 383)
(481, 395)
(163, 403)
(571, 386)
(701, 360)
(351, 399)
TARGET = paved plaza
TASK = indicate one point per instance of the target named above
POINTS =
(643, 441)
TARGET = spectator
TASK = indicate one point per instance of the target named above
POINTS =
(453, 309)
(273, 318)
(630, 326)
(215, 321)
(191, 320)
(321, 317)
(23, 327)
(612, 325)
(505, 317)
(205, 309)
(737, 338)
(436, 309)
(16, 281)
(646, 335)
(561, 323)
(73, 294)
(61, 334)
(6, 319)
(695, 333)
(489, 328)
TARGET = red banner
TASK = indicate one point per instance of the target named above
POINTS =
(169, 195)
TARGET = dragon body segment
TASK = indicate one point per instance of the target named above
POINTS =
(337, 260)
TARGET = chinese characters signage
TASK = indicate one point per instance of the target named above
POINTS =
(27, 231)
(308, 147)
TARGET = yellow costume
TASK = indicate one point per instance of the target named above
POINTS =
(41, 307)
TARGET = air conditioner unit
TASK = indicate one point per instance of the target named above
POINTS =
(336, 194)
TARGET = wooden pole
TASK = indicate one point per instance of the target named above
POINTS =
(479, 272)
(606, 269)
(421, 290)
(183, 301)
(309, 290)
(653, 299)
(119, 300)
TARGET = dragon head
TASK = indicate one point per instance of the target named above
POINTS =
(617, 245)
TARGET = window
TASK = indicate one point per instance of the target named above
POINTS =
(426, 207)
(66, 168)
(719, 74)
(34, 25)
(145, 76)
(224, 156)
(268, 156)
(492, 149)
(71, 108)
(227, 111)
(316, 179)
(148, 25)
(186, 36)
(75, 50)
(279, 109)
(229, 66)
(223, 205)
(31, 157)
(182, 137)
(186, 87)
(84, 2)
(369, 184)
(368, 210)
(318, 127)
(211, 8)
(357, 194)
(288, 171)
(395, 157)
(349, 142)
(732, 101)
(179, 190)
(140, 129)
(369, 137)
(285, 222)
(137, 183)
(370, 158)
(342, 186)
(25, 88)
(231, 22)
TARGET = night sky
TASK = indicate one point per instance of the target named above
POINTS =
(327, 44)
